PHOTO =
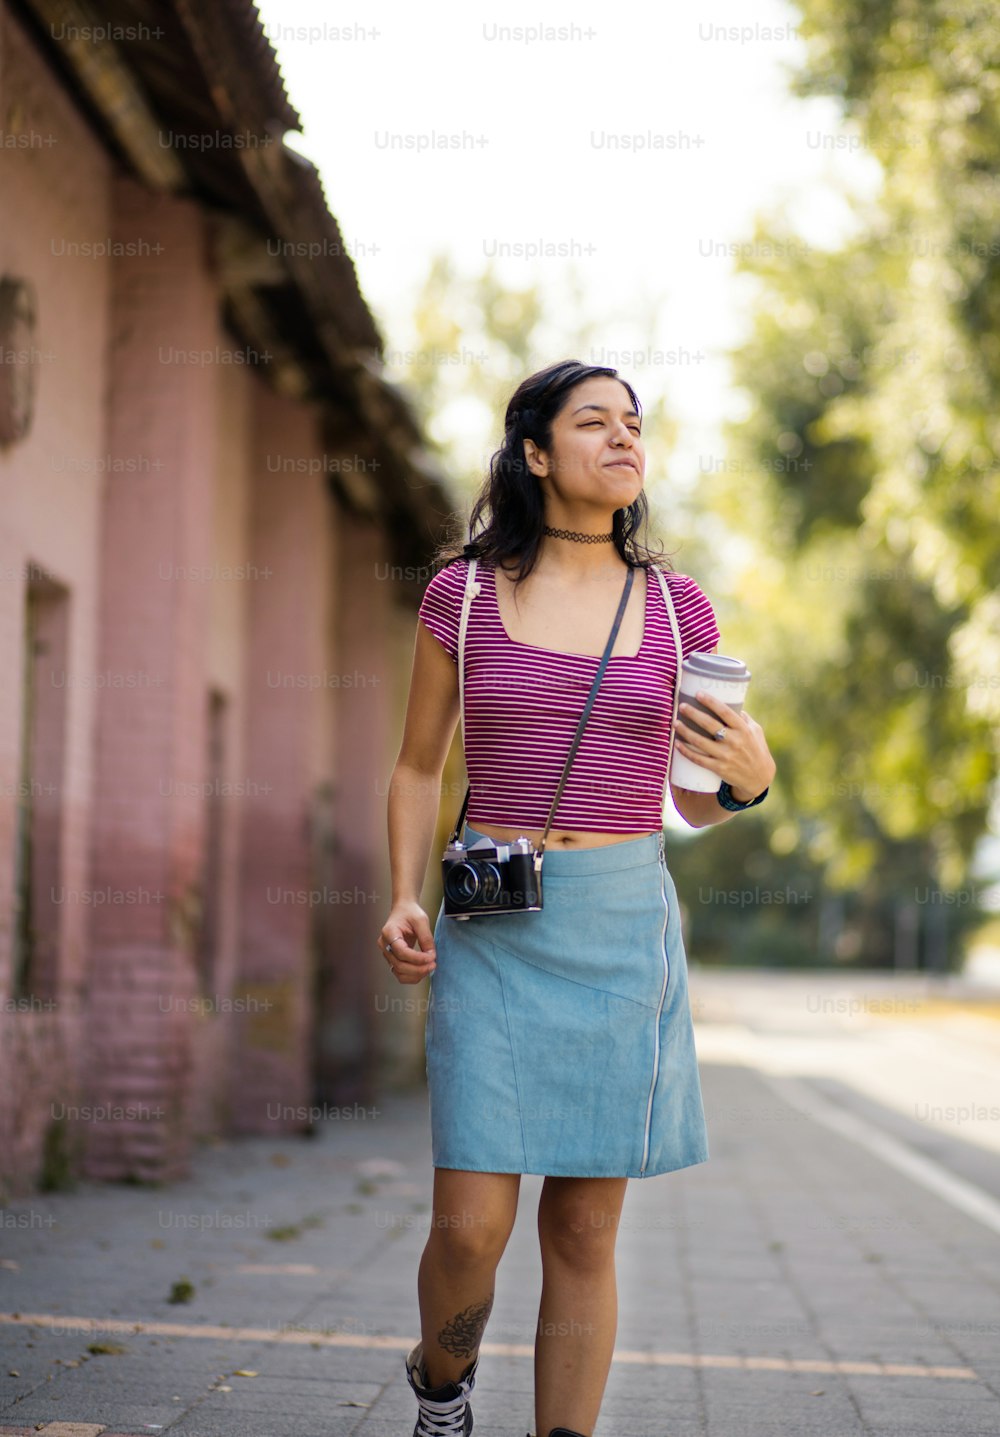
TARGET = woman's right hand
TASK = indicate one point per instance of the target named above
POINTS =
(412, 955)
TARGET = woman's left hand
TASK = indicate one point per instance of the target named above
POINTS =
(739, 754)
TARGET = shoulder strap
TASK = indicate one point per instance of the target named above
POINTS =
(675, 631)
(472, 588)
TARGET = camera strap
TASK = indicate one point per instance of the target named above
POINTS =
(472, 588)
(589, 705)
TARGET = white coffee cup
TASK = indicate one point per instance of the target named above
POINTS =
(724, 678)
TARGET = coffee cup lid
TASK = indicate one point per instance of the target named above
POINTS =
(715, 666)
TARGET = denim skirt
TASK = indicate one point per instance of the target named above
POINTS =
(561, 1042)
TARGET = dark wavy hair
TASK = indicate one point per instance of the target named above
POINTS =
(510, 506)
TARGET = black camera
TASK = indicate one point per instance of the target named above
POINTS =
(490, 877)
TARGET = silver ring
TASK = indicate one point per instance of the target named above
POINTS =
(388, 947)
(720, 734)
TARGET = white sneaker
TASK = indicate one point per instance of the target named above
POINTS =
(444, 1410)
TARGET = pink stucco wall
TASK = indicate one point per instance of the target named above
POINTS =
(151, 738)
(151, 488)
(59, 189)
(287, 717)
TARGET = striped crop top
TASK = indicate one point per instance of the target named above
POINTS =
(523, 703)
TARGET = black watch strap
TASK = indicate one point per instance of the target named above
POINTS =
(725, 796)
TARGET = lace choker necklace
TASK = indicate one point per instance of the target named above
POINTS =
(580, 538)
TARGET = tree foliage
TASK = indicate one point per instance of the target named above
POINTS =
(867, 467)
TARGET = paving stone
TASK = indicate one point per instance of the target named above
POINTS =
(722, 1259)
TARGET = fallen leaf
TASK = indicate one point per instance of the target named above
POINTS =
(243, 1372)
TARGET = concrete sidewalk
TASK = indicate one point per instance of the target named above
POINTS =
(793, 1284)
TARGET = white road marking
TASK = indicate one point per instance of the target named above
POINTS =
(967, 1197)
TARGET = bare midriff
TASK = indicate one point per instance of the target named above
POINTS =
(558, 837)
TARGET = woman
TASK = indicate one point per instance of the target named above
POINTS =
(559, 1041)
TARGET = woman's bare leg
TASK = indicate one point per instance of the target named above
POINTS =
(578, 1316)
(470, 1225)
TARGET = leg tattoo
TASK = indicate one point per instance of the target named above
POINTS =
(462, 1334)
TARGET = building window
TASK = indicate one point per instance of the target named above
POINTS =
(38, 891)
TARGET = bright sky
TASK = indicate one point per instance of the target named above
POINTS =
(638, 143)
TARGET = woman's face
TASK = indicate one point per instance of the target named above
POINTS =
(596, 455)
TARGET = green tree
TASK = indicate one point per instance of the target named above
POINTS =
(868, 468)
(473, 340)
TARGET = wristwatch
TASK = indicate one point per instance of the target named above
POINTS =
(725, 797)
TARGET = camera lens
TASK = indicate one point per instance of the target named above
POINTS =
(462, 883)
(491, 881)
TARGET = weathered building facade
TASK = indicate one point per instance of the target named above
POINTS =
(203, 475)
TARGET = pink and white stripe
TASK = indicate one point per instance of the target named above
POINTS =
(523, 704)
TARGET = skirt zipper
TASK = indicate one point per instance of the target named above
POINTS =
(659, 1010)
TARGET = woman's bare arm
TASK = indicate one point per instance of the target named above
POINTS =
(407, 939)
(415, 784)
